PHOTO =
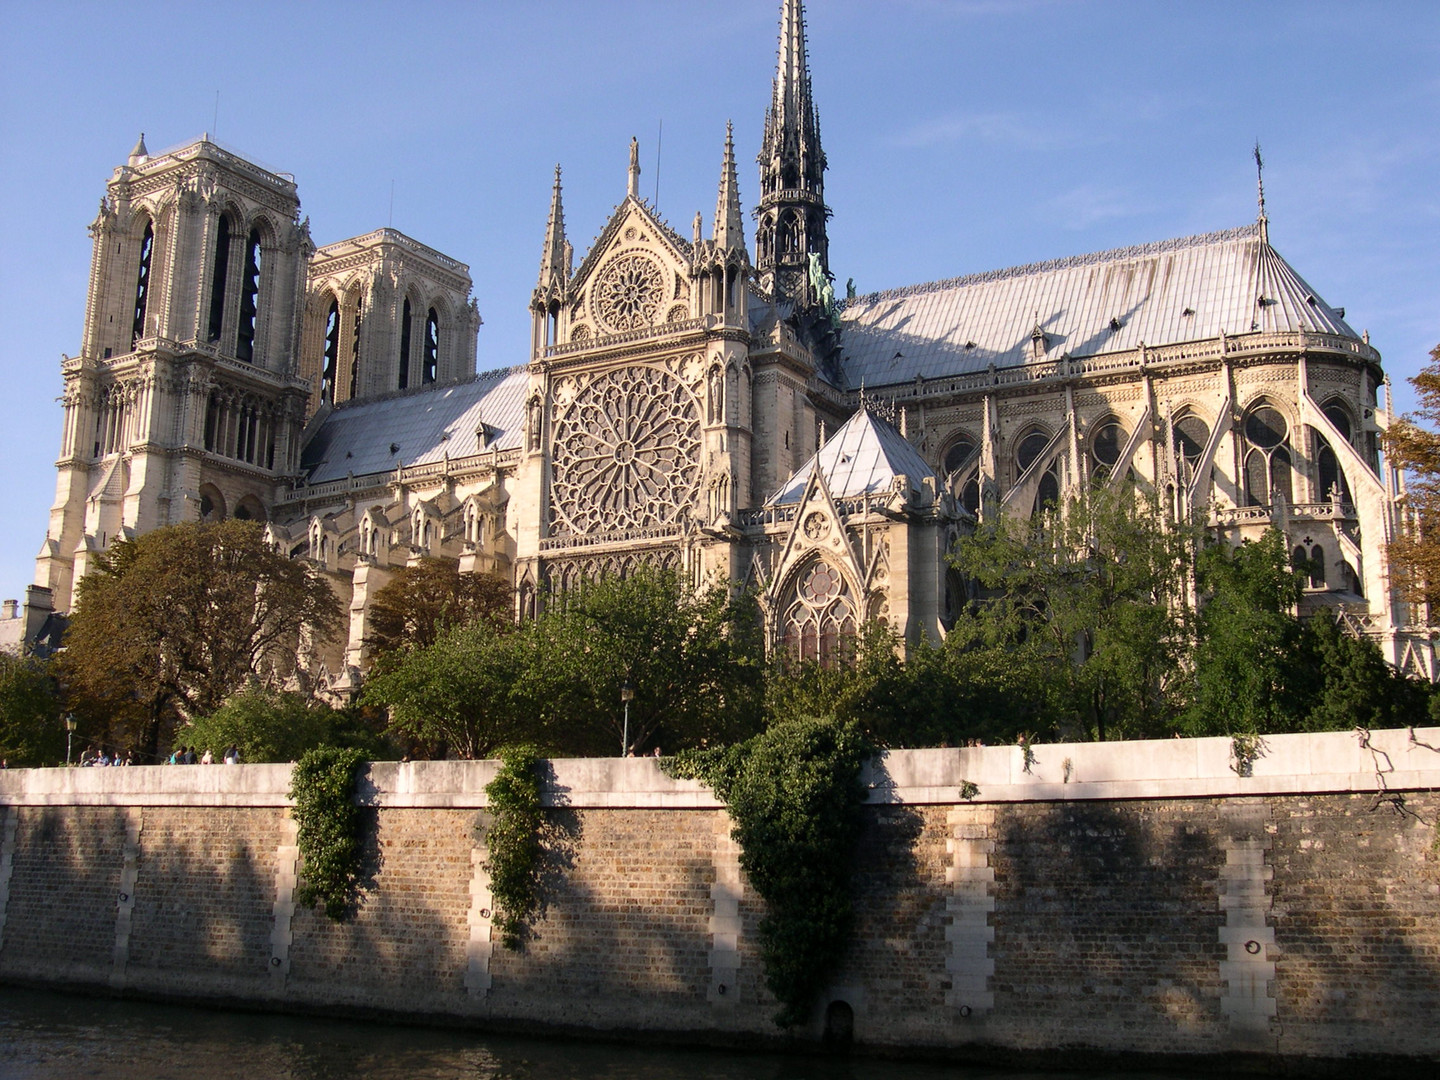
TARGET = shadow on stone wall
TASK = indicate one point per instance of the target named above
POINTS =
(1107, 925)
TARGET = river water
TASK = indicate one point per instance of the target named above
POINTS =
(53, 1036)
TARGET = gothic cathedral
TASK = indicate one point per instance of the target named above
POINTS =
(697, 404)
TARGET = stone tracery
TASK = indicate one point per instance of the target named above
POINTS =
(626, 453)
(629, 293)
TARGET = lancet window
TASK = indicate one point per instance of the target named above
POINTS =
(432, 348)
(249, 300)
(1331, 479)
(404, 381)
(355, 346)
(330, 358)
(142, 282)
(220, 271)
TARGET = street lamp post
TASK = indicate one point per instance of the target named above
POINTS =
(69, 734)
(627, 695)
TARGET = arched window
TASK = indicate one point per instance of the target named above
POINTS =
(1192, 435)
(432, 347)
(1030, 448)
(1106, 444)
(355, 346)
(332, 352)
(221, 270)
(249, 300)
(964, 482)
(142, 283)
(405, 346)
(820, 621)
(1267, 459)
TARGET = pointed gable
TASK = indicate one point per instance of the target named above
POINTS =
(863, 458)
(635, 276)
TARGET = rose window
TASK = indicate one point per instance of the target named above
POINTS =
(626, 454)
(629, 293)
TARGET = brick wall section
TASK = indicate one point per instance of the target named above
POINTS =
(64, 888)
(203, 898)
(625, 939)
(899, 955)
(1114, 924)
(1080, 958)
(1357, 923)
(405, 949)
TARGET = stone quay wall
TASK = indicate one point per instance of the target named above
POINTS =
(1136, 898)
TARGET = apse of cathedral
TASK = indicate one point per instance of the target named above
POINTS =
(704, 403)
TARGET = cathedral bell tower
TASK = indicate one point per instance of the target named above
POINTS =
(184, 402)
(792, 212)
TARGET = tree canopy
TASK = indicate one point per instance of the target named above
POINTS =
(422, 601)
(169, 625)
(695, 663)
(30, 729)
(1415, 551)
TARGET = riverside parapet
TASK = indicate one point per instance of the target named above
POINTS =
(1139, 898)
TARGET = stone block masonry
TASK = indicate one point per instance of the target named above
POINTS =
(1127, 898)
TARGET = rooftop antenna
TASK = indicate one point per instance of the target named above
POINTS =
(215, 116)
(658, 136)
(1262, 220)
(390, 224)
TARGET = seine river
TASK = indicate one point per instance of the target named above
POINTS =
(49, 1036)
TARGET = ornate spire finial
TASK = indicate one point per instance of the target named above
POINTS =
(554, 262)
(792, 212)
(1262, 220)
(729, 225)
(634, 186)
(139, 154)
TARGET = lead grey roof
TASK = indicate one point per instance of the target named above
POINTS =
(423, 426)
(1189, 289)
(862, 458)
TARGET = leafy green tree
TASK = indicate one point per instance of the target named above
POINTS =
(696, 662)
(470, 692)
(31, 733)
(169, 625)
(1087, 605)
(1413, 444)
(274, 725)
(1247, 674)
(1352, 686)
(420, 602)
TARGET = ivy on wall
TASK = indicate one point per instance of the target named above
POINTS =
(795, 795)
(514, 841)
(322, 787)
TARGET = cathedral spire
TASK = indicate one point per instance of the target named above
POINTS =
(1261, 219)
(554, 261)
(792, 210)
(729, 225)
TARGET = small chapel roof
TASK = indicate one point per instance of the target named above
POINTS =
(1189, 289)
(862, 458)
(459, 420)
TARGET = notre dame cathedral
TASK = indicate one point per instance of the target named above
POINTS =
(699, 403)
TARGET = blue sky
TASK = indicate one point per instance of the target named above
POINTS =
(963, 135)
